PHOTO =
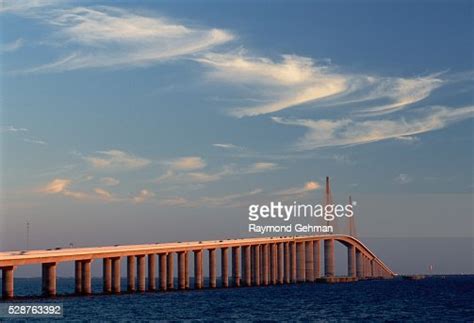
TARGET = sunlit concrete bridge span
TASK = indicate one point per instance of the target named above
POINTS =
(253, 262)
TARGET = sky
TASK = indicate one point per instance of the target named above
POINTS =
(132, 122)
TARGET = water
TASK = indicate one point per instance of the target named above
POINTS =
(431, 299)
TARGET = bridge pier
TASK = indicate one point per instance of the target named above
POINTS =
(247, 264)
(198, 279)
(359, 264)
(300, 262)
(212, 268)
(116, 275)
(49, 279)
(309, 261)
(78, 276)
(273, 263)
(186, 269)
(236, 266)
(329, 257)
(170, 270)
(131, 274)
(141, 270)
(7, 282)
(281, 273)
(181, 270)
(152, 272)
(256, 265)
(163, 265)
(286, 262)
(107, 275)
(351, 261)
(293, 262)
(86, 277)
(317, 258)
(224, 267)
(265, 264)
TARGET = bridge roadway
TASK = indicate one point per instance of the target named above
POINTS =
(255, 262)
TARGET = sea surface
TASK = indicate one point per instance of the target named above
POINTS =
(435, 299)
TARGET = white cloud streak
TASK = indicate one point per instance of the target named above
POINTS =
(116, 160)
(12, 46)
(101, 37)
(344, 132)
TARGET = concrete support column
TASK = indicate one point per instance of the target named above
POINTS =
(256, 265)
(372, 268)
(265, 263)
(78, 276)
(286, 262)
(163, 280)
(198, 269)
(151, 272)
(107, 275)
(329, 257)
(181, 270)
(351, 261)
(317, 258)
(212, 268)
(247, 264)
(281, 273)
(116, 275)
(86, 277)
(300, 261)
(7, 282)
(236, 266)
(309, 261)
(359, 266)
(186, 269)
(170, 270)
(293, 261)
(273, 263)
(131, 273)
(49, 279)
(224, 267)
(141, 271)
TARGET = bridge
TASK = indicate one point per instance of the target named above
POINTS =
(254, 262)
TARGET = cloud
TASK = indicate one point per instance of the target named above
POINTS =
(116, 160)
(25, 6)
(103, 194)
(104, 36)
(227, 146)
(295, 191)
(109, 181)
(143, 196)
(344, 132)
(293, 81)
(403, 179)
(5, 129)
(56, 186)
(261, 167)
(12, 46)
(35, 141)
(187, 163)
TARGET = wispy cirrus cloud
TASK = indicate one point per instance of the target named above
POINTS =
(116, 160)
(101, 37)
(298, 191)
(109, 181)
(23, 133)
(292, 81)
(62, 186)
(227, 146)
(344, 132)
(12, 46)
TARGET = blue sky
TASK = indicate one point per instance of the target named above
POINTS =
(171, 110)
